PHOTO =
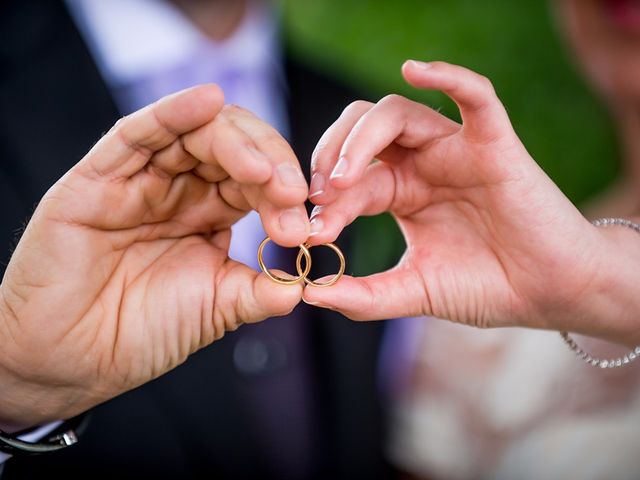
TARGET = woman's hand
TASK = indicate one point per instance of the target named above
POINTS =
(124, 271)
(491, 241)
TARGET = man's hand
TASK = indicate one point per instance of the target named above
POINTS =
(491, 241)
(123, 270)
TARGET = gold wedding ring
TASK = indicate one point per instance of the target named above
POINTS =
(333, 279)
(302, 273)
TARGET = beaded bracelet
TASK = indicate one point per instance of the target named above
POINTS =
(591, 360)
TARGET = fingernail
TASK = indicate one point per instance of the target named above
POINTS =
(290, 175)
(292, 220)
(420, 65)
(313, 304)
(316, 226)
(317, 185)
(340, 169)
(317, 210)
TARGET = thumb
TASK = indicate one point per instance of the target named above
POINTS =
(390, 294)
(246, 296)
(482, 112)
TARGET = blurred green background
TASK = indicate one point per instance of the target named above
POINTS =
(515, 44)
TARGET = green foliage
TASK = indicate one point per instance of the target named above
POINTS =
(515, 44)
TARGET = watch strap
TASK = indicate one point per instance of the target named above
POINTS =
(63, 436)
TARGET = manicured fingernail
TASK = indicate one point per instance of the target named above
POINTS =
(420, 65)
(290, 175)
(292, 220)
(316, 226)
(316, 211)
(317, 185)
(340, 169)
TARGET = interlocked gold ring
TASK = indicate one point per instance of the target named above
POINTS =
(302, 273)
(335, 278)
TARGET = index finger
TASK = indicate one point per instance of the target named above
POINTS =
(264, 172)
(129, 145)
(393, 122)
(483, 115)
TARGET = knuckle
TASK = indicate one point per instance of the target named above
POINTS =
(272, 144)
(119, 122)
(232, 107)
(232, 110)
(485, 85)
(391, 100)
(356, 107)
(119, 127)
(439, 65)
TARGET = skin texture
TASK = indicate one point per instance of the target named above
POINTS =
(491, 240)
(123, 270)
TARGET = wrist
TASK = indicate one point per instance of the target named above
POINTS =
(24, 405)
(21, 401)
(7, 424)
(610, 307)
(14, 405)
(32, 391)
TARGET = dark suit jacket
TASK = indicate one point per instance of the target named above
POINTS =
(213, 416)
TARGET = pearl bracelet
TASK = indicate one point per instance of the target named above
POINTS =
(598, 362)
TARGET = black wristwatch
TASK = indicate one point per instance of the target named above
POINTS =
(63, 436)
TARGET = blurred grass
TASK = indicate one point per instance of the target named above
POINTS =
(515, 44)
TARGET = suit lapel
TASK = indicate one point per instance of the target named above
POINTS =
(54, 103)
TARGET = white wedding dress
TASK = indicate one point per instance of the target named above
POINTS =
(515, 404)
